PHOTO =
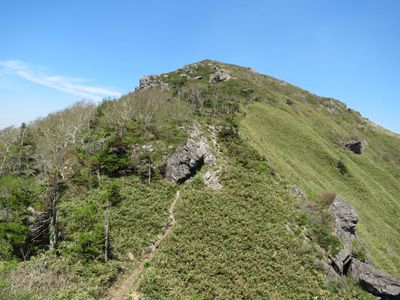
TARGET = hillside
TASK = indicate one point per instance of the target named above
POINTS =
(183, 189)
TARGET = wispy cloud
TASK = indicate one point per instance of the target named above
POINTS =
(74, 86)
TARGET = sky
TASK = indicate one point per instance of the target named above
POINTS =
(56, 53)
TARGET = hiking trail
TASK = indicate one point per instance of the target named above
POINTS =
(121, 290)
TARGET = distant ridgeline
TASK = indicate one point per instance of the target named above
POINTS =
(209, 182)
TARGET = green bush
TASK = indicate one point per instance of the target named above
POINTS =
(342, 168)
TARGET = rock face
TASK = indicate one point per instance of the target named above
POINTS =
(151, 81)
(220, 75)
(368, 277)
(188, 159)
(356, 147)
(346, 219)
(375, 281)
(342, 261)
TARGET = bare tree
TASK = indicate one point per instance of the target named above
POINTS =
(60, 131)
(141, 106)
(193, 94)
(52, 203)
(8, 138)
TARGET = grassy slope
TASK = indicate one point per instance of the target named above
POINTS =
(234, 242)
(300, 147)
(210, 255)
(302, 135)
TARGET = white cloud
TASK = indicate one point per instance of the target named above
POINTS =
(73, 86)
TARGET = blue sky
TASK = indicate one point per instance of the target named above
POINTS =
(55, 53)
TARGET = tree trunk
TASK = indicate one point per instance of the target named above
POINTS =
(53, 214)
(107, 231)
(149, 173)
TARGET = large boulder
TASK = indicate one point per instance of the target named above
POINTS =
(356, 147)
(187, 160)
(346, 219)
(375, 281)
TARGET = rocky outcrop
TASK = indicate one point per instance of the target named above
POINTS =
(346, 219)
(344, 264)
(356, 147)
(151, 81)
(342, 261)
(188, 159)
(220, 75)
(375, 281)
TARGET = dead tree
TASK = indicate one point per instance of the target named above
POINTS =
(107, 230)
(52, 202)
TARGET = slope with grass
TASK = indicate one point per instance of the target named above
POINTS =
(94, 184)
(303, 154)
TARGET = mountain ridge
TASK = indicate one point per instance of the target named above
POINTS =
(90, 170)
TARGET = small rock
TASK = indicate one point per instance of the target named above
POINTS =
(297, 192)
(212, 181)
(131, 256)
(5, 215)
(148, 148)
(209, 159)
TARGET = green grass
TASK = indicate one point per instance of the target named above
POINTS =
(234, 244)
(227, 244)
(301, 149)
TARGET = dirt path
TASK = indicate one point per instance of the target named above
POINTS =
(122, 290)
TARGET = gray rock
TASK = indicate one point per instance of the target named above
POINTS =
(375, 281)
(297, 192)
(5, 215)
(211, 180)
(186, 160)
(209, 159)
(151, 81)
(346, 219)
(330, 273)
(220, 75)
(356, 147)
(342, 261)
(344, 264)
